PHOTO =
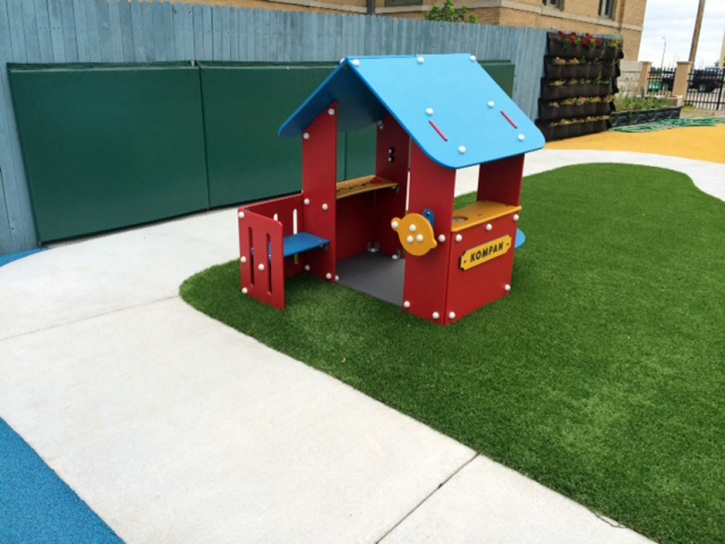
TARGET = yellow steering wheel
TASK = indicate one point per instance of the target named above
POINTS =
(415, 233)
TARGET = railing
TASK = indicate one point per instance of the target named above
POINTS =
(704, 86)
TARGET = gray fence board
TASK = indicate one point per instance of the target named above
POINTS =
(37, 31)
(57, 41)
(70, 42)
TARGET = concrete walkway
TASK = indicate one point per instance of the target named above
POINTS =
(175, 428)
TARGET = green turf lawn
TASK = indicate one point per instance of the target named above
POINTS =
(602, 375)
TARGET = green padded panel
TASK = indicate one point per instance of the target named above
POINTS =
(109, 147)
(502, 72)
(244, 106)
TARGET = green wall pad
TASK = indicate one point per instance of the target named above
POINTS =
(244, 106)
(502, 72)
(109, 146)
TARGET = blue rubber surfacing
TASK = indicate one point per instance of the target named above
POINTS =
(36, 506)
(5, 259)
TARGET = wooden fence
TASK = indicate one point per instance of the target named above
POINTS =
(122, 31)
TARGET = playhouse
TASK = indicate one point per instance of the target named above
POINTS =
(394, 234)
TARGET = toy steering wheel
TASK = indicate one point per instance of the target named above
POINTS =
(415, 233)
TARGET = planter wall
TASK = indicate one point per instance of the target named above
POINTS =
(590, 70)
(596, 63)
(559, 92)
(558, 48)
(547, 112)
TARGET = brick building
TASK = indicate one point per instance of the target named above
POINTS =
(624, 17)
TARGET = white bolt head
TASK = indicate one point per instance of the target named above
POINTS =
(406, 304)
(413, 228)
(436, 315)
(331, 111)
(409, 239)
(395, 257)
(489, 227)
(521, 137)
(244, 260)
(307, 201)
(325, 207)
(328, 276)
(491, 104)
(395, 225)
(419, 238)
(241, 215)
(459, 237)
(473, 58)
(452, 315)
(261, 268)
(429, 111)
(421, 60)
(507, 287)
(244, 290)
(307, 267)
(442, 238)
(462, 149)
(516, 217)
(356, 62)
(306, 135)
(337, 278)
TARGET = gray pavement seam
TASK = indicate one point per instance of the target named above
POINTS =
(87, 318)
(427, 497)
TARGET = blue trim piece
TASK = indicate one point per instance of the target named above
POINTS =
(36, 506)
(520, 238)
(5, 259)
(448, 104)
(301, 242)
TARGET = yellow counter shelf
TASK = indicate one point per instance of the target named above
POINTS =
(365, 184)
(480, 212)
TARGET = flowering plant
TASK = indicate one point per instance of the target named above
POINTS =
(569, 39)
(574, 39)
(590, 41)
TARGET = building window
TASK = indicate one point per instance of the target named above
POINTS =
(558, 4)
(397, 3)
(606, 8)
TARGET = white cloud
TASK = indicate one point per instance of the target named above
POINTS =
(674, 21)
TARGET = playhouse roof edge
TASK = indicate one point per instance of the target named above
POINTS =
(448, 104)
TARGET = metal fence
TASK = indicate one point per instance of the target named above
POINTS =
(133, 31)
(704, 86)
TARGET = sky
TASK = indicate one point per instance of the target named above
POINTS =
(673, 22)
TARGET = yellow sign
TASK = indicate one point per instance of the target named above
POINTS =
(485, 252)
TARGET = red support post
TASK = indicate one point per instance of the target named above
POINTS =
(392, 164)
(426, 277)
(319, 189)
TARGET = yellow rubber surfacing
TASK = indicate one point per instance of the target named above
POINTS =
(699, 143)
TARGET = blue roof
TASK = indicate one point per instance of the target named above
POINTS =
(448, 104)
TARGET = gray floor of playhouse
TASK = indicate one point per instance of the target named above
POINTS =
(374, 274)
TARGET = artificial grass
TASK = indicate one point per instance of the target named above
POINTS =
(602, 374)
